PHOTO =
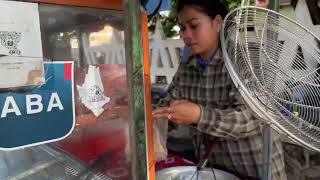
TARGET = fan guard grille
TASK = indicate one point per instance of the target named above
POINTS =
(274, 62)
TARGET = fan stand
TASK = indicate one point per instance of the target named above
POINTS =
(266, 133)
(266, 151)
(267, 136)
(259, 48)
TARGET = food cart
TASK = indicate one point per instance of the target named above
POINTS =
(100, 48)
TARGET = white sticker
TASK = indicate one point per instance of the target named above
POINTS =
(92, 92)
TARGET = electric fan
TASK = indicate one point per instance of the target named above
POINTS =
(274, 62)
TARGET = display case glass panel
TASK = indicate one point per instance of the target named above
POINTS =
(98, 146)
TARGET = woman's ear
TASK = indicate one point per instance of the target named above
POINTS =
(218, 23)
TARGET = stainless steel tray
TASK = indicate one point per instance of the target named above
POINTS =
(189, 173)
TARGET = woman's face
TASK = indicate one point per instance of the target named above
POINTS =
(199, 32)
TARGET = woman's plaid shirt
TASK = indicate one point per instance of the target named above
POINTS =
(226, 123)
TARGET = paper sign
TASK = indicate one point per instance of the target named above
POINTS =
(21, 58)
(20, 29)
(17, 72)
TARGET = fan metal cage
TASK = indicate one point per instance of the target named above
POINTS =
(274, 62)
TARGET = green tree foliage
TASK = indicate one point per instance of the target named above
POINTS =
(232, 4)
(168, 21)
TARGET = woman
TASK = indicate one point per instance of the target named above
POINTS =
(203, 95)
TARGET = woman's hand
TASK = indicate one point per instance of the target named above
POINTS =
(180, 112)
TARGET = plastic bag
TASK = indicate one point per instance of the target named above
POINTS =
(160, 129)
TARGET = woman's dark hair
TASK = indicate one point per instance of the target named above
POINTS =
(209, 7)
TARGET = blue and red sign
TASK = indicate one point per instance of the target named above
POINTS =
(41, 114)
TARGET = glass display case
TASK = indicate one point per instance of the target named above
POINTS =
(108, 140)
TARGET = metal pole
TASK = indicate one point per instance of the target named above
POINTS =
(266, 132)
(266, 152)
(134, 63)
